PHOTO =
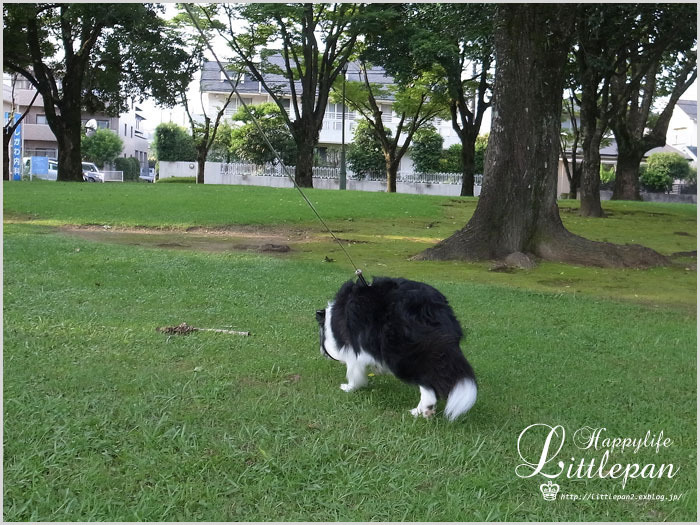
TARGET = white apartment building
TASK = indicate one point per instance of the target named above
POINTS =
(39, 140)
(214, 89)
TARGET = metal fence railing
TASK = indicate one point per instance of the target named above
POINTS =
(50, 153)
(324, 172)
(113, 176)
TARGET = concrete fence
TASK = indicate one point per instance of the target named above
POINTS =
(243, 174)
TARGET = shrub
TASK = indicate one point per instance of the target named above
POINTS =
(246, 143)
(130, 166)
(365, 157)
(607, 177)
(173, 143)
(426, 150)
(102, 147)
(662, 169)
(451, 159)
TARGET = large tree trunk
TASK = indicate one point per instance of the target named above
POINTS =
(468, 145)
(306, 138)
(627, 174)
(517, 211)
(592, 128)
(590, 183)
(201, 163)
(392, 168)
(67, 130)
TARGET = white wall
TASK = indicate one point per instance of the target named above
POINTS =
(213, 175)
(176, 169)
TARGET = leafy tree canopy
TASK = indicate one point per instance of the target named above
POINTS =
(173, 143)
(365, 157)
(663, 169)
(102, 147)
(427, 150)
(247, 143)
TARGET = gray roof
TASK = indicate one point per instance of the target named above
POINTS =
(211, 78)
(690, 108)
(610, 152)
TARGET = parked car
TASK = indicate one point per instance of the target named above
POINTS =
(52, 172)
(91, 173)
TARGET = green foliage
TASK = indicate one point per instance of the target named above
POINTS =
(102, 147)
(662, 169)
(451, 159)
(172, 143)
(150, 53)
(130, 166)
(607, 176)
(220, 150)
(365, 157)
(246, 142)
(427, 150)
(482, 141)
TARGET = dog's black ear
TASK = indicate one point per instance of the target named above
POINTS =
(321, 316)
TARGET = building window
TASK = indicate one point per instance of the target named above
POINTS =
(386, 112)
(233, 106)
(232, 75)
(103, 124)
(41, 119)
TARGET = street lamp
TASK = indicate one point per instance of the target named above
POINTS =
(343, 176)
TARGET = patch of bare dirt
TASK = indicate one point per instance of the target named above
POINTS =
(239, 238)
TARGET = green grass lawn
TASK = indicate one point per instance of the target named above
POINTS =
(107, 419)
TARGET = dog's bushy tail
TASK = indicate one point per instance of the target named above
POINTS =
(461, 398)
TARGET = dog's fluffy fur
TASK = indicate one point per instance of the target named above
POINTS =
(403, 327)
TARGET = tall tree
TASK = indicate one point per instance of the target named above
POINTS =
(598, 28)
(517, 210)
(197, 27)
(660, 62)
(315, 42)
(90, 57)
(415, 103)
(457, 40)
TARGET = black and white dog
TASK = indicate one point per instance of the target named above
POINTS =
(403, 327)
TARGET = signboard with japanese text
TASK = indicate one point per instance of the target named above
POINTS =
(15, 149)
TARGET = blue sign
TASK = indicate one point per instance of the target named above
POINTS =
(40, 166)
(15, 149)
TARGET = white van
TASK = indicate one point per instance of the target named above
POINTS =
(91, 173)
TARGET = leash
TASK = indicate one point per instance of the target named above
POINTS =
(234, 86)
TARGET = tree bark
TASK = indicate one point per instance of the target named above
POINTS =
(303, 171)
(627, 174)
(468, 145)
(201, 163)
(518, 211)
(592, 129)
(392, 168)
(590, 183)
(67, 129)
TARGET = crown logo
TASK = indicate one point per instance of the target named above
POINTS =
(549, 491)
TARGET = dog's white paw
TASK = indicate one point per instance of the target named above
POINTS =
(346, 387)
(425, 412)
